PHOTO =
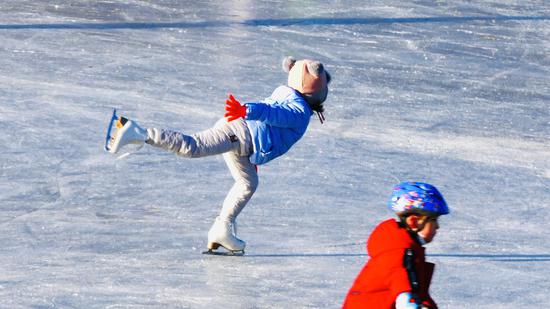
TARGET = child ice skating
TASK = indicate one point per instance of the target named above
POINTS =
(251, 134)
(397, 274)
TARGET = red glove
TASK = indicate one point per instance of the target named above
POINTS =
(234, 109)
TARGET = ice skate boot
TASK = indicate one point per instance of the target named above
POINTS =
(126, 132)
(222, 234)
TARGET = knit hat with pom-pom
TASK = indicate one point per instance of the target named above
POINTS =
(310, 78)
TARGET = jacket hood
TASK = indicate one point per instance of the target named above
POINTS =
(389, 235)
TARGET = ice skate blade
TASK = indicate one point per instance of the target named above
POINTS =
(224, 253)
(109, 135)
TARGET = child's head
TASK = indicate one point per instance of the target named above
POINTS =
(418, 205)
(310, 78)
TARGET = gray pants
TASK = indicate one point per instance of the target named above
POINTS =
(233, 141)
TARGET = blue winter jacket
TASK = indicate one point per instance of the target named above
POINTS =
(277, 123)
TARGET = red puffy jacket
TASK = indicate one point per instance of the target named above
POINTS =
(385, 275)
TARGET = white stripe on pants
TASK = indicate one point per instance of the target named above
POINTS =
(230, 139)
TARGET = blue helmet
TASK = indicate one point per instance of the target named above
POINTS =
(417, 197)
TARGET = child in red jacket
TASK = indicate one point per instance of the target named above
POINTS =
(397, 274)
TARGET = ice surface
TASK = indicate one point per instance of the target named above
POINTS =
(455, 93)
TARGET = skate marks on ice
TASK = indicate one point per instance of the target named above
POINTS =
(304, 255)
(497, 257)
(475, 256)
(505, 152)
(42, 185)
(271, 22)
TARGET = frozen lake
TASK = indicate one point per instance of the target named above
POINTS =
(455, 93)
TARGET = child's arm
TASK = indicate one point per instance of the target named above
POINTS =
(410, 297)
(286, 116)
(398, 277)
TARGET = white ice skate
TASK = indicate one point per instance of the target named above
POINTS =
(222, 233)
(127, 132)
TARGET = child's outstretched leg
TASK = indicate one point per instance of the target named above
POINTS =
(223, 231)
(221, 138)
